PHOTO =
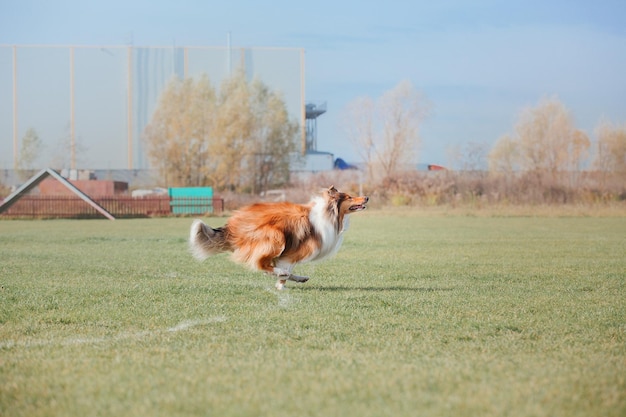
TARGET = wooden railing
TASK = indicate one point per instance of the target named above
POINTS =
(41, 207)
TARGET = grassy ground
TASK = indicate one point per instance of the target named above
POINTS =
(417, 315)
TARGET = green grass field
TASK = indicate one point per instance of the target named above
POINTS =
(429, 315)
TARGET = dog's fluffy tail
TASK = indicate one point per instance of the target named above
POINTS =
(205, 241)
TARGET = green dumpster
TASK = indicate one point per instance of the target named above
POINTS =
(191, 200)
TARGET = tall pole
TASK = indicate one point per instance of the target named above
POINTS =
(72, 121)
(15, 141)
(302, 103)
(228, 55)
(129, 120)
(185, 62)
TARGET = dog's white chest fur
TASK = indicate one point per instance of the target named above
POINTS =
(325, 226)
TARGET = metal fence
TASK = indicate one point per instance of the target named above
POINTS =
(46, 207)
(89, 105)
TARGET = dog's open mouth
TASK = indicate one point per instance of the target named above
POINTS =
(358, 207)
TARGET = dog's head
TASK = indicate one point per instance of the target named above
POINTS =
(345, 203)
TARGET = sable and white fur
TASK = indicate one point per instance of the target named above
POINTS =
(275, 237)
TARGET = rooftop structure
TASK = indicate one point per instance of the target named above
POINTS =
(313, 111)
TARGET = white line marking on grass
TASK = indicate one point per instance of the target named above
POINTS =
(97, 340)
(184, 325)
(75, 341)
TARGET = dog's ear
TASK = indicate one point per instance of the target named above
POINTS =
(332, 191)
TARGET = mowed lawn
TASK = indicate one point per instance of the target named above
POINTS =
(417, 315)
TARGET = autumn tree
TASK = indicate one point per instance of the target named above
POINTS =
(504, 156)
(230, 137)
(544, 141)
(178, 135)
(253, 136)
(271, 138)
(239, 137)
(610, 154)
(385, 132)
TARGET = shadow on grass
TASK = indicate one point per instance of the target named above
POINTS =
(334, 288)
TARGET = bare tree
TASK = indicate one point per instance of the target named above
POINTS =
(359, 126)
(30, 150)
(61, 158)
(385, 132)
(468, 157)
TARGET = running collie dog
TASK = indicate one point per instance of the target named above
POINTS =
(275, 237)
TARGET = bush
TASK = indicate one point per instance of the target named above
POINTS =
(472, 188)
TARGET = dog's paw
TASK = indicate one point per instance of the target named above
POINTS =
(298, 278)
(280, 284)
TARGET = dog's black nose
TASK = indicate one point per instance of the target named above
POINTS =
(367, 199)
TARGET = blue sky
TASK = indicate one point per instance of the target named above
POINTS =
(479, 63)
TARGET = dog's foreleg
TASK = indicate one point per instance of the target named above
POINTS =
(297, 278)
(283, 275)
(284, 268)
(283, 272)
(280, 284)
